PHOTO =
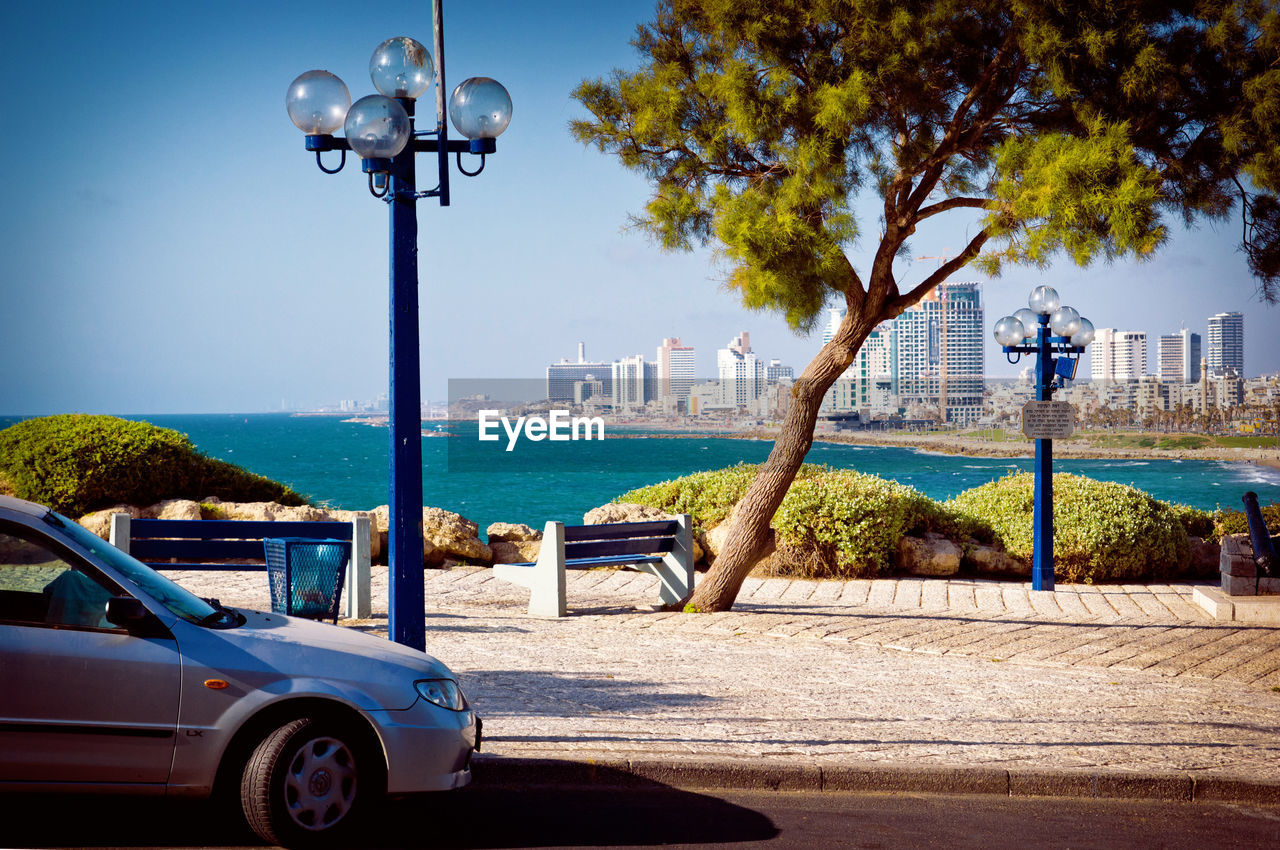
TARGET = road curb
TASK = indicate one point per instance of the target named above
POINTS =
(731, 774)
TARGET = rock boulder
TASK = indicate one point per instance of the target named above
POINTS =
(174, 509)
(622, 512)
(993, 560)
(931, 555)
(99, 522)
(450, 536)
(515, 552)
(507, 532)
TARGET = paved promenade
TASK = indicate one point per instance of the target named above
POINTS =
(982, 685)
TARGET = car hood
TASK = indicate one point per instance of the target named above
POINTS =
(372, 672)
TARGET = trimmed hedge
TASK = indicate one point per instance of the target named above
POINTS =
(77, 463)
(1101, 531)
(845, 524)
(706, 496)
(832, 522)
(1197, 522)
(1235, 522)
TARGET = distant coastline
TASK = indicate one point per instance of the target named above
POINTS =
(1078, 448)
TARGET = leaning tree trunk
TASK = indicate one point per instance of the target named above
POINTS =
(750, 532)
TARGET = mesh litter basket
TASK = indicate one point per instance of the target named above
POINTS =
(306, 575)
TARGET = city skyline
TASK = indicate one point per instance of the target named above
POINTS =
(190, 257)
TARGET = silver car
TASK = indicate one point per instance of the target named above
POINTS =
(115, 679)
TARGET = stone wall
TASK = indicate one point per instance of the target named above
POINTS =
(1240, 572)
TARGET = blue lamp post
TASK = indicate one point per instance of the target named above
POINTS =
(1045, 328)
(380, 129)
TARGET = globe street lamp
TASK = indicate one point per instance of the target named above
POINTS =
(1045, 327)
(380, 130)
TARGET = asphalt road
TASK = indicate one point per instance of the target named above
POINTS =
(555, 817)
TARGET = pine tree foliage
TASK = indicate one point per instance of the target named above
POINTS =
(1074, 129)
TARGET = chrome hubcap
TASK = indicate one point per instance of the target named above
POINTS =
(320, 784)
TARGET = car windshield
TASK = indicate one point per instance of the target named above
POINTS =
(180, 601)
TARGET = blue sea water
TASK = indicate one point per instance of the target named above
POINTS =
(344, 464)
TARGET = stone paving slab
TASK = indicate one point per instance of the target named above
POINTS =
(1117, 682)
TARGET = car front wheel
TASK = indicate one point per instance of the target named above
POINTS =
(305, 784)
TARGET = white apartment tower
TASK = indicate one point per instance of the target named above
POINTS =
(834, 318)
(940, 352)
(629, 388)
(742, 373)
(869, 383)
(677, 372)
(1226, 344)
(1179, 357)
(1118, 355)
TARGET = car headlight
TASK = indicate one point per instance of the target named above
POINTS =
(443, 692)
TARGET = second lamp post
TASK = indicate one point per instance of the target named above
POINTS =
(1045, 327)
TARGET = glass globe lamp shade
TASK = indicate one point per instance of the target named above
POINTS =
(1030, 321)
(1065, 321)
(480, 108)
(1009, 331)
(1044, 300)
(317, 102)
(1084, 335)
(401, 67)
(377, 127)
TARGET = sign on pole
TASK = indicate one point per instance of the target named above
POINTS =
(1048, 420)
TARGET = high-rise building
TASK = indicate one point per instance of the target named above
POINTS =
(632, 382)
(775, 372)
(562, 376)
(940, 352)
(1118, 355)
(742, 373)
(870, 383)
(1226, 344)
(834, 318)
(677, 369)
(1179, 356)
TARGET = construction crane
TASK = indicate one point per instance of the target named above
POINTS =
(942, 343)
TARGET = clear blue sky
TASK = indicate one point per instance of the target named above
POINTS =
(168, 245)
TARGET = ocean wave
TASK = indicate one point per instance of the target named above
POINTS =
(1256, 473)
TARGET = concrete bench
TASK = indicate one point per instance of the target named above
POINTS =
(214, 544)
(663, 548)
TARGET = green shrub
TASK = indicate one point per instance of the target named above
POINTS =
(832, 523)
(1101, 531)
(707, 496)
(1196, 522)
(76, 463)
(845, 524)
(1235, 522)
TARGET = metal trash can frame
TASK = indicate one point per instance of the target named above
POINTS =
(306, 575)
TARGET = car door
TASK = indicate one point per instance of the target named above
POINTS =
(81, 700)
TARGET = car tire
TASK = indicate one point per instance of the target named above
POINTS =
(306, 784)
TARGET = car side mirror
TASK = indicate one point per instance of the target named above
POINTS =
(130, 614)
